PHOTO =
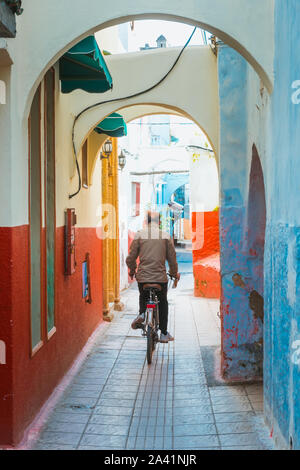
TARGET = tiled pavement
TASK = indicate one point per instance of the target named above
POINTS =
(118, 402)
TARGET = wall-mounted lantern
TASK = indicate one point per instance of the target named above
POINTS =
(122, 160)
(107, 149)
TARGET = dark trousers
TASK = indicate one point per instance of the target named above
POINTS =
(163, 304)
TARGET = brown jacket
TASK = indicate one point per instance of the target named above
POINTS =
(154, 247)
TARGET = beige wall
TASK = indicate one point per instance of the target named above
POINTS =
(191, 89)
(88, 203)
(108, 39)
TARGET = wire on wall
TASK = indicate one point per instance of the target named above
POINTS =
(120, 99)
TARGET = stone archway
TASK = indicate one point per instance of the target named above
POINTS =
(233, 21)
(197, 100)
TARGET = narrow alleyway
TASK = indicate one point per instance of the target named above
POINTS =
(118, 402)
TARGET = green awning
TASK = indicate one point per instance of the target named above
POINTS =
(114, 126)
(83, 67)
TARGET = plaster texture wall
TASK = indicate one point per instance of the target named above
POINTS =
(242, 122)
(196, 97)
(282, 267)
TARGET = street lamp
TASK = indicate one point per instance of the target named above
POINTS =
(122, 160)
(107, 149)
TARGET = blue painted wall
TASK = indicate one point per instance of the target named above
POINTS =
(282, 251)
(242, 331)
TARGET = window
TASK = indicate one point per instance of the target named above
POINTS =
(49, 117)
(42, 212)
(85, 183)
(136, 199)
(35, 198)
(155, 140)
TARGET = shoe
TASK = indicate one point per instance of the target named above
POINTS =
(138, 322)
(166, 338)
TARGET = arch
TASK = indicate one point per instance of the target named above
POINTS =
(131, 113)
(256, 220)
(173, 185)
(197, 99)
(256, 225)
(233, 21)
(167, 110)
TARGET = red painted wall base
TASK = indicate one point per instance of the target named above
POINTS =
(207, 277)
(25, 382)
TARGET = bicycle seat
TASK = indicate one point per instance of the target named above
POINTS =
(152, 286)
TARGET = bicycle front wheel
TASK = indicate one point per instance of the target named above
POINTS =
(149, 344)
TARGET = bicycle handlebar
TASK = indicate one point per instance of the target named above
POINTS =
(175, 279)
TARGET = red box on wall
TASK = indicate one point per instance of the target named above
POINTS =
(70, 260)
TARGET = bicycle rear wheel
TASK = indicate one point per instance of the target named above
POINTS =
(150, 344)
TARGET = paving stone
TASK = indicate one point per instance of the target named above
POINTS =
(82, 394)
(120, 389)
(69, 418)
(107, 402)
(113, 410)
(191, 410)
(234, 417)
(196, 442)
(194, 430)
(65, 427)
(194, 402)
(232, 408)
(233, 400)
(79, 401)
(232, 428)
(103, 440)
(239, 439)
(60, 438)
(194, 419)
(195, 394)
(110, 419)
(89, 381)
(74, 409)
(108, 429)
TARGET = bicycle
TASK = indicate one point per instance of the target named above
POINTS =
(151, 324)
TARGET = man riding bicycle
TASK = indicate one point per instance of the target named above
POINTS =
(153, 247)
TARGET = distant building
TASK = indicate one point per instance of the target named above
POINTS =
(161, 41)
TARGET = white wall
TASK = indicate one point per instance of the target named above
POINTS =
(109, 40)
(204, 181)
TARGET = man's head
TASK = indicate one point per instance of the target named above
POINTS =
(152, 217)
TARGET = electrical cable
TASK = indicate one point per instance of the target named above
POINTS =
(120, 99)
